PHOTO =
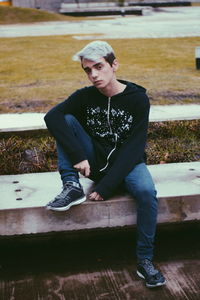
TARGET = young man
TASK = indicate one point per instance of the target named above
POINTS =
(101, 132)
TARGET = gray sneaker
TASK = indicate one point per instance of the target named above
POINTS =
(152, 276)
(72, 194)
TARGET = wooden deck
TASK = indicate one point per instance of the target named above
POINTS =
(100, 267)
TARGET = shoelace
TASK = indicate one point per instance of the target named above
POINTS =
(149, 267)
(66, 189)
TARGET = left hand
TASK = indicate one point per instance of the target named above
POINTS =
(95, 197)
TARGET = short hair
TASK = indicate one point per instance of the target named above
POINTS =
(96, 50)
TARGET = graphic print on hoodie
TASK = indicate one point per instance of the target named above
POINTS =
(119, 122)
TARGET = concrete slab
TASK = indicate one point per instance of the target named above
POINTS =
(22, 122)
(158, 113)
(23, 200)
(165, 22)
(101, 11)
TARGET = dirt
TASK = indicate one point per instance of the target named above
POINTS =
(25, 105)
(175, 97)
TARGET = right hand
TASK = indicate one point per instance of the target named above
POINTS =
(83, 167)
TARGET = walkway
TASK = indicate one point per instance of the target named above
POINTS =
(155, 23)
(99, 267)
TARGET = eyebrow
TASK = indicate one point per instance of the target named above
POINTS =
(95, 65)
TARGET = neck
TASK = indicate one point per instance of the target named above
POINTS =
(113, 88)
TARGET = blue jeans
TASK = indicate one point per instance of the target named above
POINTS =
(138, 183)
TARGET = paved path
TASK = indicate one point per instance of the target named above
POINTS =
(34, 121)
(163, 22)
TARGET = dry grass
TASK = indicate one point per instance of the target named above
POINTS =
(37, 72)
(16, 15)
(167, 142)
(13, 15)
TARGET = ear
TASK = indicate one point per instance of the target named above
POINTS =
(115, 65)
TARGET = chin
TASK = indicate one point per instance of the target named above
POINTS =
(101, 85)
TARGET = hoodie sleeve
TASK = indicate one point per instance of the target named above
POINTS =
(131, 152)
(58, 127)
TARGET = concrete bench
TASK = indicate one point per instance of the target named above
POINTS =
(23, 200)
(102, 11)
(161, 3)
(88, 4)
(158, 113)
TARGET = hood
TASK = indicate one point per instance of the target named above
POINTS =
(131, 88)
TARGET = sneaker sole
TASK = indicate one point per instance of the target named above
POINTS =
(151, 285)
(64, 208)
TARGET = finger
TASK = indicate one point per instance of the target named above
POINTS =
(98, 198)
(87, 172)
(92, 196)
(83, 171)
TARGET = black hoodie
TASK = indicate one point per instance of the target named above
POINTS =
(118, 128)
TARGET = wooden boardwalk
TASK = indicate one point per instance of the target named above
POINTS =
(100, 267)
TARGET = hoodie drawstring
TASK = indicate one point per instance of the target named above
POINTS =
(111, 132)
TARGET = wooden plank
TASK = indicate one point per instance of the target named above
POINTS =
(100, 267)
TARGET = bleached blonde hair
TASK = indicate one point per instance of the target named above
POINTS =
(94, 51)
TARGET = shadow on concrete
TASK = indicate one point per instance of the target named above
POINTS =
(98, 265)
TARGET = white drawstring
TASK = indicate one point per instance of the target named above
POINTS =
(111, 132)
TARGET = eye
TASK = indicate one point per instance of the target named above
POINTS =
(87, 70)
(99, 67)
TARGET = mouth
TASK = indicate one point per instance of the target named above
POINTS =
(97, 82)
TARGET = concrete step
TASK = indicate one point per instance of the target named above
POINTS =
(161, 3)
(24, 197)
(159, 113)
(87, 5)
(101, 11)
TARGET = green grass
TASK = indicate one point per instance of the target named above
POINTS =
(168, 142)
(37, 72)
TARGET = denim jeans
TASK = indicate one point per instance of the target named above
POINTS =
(138, 183)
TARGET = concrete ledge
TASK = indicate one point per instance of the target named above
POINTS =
(23, 200)
(158, 113)
(161, 3)
(101, 11)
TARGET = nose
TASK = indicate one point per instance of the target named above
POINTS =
(94, 73)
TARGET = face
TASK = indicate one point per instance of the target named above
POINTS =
(100, 73)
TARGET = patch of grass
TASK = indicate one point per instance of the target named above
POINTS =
(171, 142)
(14, 15)
(40, 69)
(168, 142)
(26, 154)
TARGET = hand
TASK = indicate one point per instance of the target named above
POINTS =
(95, 197)
(83, 167)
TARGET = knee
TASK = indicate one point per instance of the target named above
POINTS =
(146, 198)
(70, 119)
(142, 192)
(146, 193)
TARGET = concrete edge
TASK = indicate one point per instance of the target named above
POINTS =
(92, 216)
(119, 211)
